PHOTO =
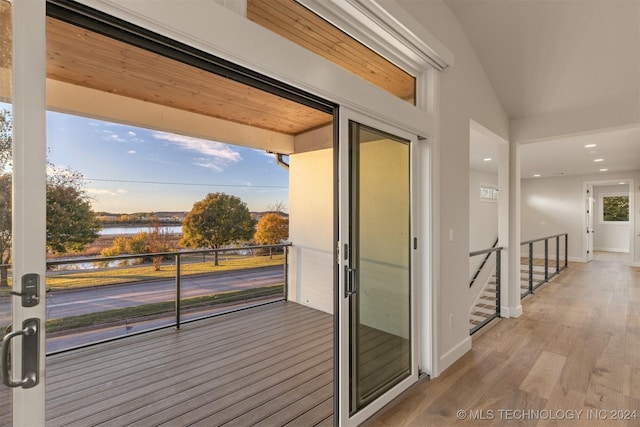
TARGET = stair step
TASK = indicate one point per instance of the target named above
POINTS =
(481, 314)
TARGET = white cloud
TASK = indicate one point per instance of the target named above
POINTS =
(110, 135)
(122, 191)
(217, 155)
(131, 152)
(131, 133)
(207, 163)
(100, 191)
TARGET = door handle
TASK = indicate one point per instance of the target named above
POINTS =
(30, 334)
(351, 281)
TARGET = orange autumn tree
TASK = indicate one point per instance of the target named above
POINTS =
(272, 229)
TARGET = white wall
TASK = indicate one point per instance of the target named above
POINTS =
(609, 236)
(465, 94)
(311, 229)
(556, 205)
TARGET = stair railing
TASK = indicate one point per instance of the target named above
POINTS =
(487, 253)
(533, 285)
(482, 264)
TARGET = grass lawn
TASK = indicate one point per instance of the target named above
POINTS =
(112, 316)
(110, 276)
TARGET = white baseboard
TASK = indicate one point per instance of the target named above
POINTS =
(577, 259)
(622, 250)
(511, 311)
(454, 354)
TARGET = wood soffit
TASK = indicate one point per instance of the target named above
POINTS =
(301, 26)
(87, 59)
(81, 57)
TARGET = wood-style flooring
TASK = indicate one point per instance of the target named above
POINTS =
(575, 348)
(270, 365)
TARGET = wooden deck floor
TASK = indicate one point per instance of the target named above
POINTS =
(271, 365)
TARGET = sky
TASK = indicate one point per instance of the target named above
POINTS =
(129, 169)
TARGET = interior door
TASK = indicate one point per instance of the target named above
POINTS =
(589, 219)
(377, 346)
(23, 308)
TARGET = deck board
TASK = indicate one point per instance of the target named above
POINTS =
(272, 363)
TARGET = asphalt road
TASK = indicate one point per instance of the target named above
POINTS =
(90, 300)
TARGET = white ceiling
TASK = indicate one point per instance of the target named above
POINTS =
(546, 57)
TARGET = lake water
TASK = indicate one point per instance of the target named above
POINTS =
(129, 231)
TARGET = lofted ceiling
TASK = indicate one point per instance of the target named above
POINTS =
(557, 57)
(546, 57)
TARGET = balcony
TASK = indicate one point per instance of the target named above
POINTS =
(267, 365)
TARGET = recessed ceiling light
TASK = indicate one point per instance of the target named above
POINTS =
(537, 175)
(598, 160)
(622, 183)
(590, 145)
(604, 170)
(487, 159)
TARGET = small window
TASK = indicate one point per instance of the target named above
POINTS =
(614, 208)
(488, 192)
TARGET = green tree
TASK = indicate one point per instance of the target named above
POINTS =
(271, 229)
(71, 223)
(5, 226)
(217, 220)
(615, 208)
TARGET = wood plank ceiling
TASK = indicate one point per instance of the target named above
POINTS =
(88, 59)
(81, 57)
(296, 23)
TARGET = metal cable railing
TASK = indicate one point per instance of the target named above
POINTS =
(247, 276)
(491, 307)
(539, 270)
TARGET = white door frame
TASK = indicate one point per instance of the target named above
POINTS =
(632, 216)
(29, 191)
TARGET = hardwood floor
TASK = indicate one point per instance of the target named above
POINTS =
(575, 348)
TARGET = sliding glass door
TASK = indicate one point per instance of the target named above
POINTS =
(377, 357)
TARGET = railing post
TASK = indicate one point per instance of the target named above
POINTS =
(177, 291)
(546, 260)
(557, 254)
(286, 273)
(566, 250)
(531, 267)
(498, 281)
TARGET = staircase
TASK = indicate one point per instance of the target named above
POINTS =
(485, 306)
(484, 309)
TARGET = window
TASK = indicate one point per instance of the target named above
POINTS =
(614, 208)
(488, 192)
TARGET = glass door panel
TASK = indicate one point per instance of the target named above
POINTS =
(377, 356)
(380, 233)
(6, 80)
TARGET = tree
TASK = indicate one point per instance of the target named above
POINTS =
(5, 226)
(218, 219)
(71, 223)
(159, 241)
(278, 206)
(272, 229)
(615, 208)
